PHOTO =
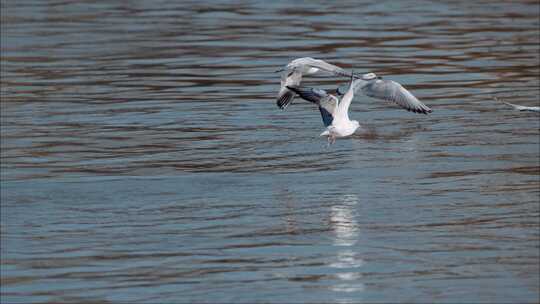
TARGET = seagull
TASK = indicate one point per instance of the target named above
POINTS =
(334, 112)
(294, 72)
(374, 86)
(520, 108)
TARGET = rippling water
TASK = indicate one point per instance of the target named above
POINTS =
(144, 159)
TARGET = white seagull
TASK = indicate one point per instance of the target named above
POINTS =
(334, 112)
(520, 108)
(293, 72)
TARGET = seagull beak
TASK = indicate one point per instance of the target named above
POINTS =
(280, 70)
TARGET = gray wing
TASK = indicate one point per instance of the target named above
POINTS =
(313, 95)
(520, 108)
(523, 108)
(327, 108)
(393, 91)
(327, 103)
(286, 96)
(327, 67)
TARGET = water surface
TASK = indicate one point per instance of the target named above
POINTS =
(144, 160)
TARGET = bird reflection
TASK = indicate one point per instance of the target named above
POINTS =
(343, 221)
(346, 233)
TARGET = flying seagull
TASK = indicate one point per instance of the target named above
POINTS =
(293, 72)
(334, 112)
(520, 108)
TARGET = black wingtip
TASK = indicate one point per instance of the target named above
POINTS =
(420, 111)
(425, 111)
(283, 101)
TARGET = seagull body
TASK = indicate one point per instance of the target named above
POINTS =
(293, 72)
(334, 112)
(521, 108)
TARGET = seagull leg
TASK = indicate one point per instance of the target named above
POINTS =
(331, 140)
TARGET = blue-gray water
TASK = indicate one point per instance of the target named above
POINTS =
(143, 159)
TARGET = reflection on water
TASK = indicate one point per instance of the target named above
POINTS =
(346, 235)
(143, 159)
(342, 217)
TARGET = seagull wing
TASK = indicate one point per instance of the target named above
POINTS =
(327, 102)
(520, 108)
(327, 67)
(327, 107)
(313, 95)
(286, 96)
(393, 91)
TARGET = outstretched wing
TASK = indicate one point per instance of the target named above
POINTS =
(286, 96)
(322, 65)
(313, 95)
(520, 108)
(393, 91)
(327, 103)
(327, 67)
